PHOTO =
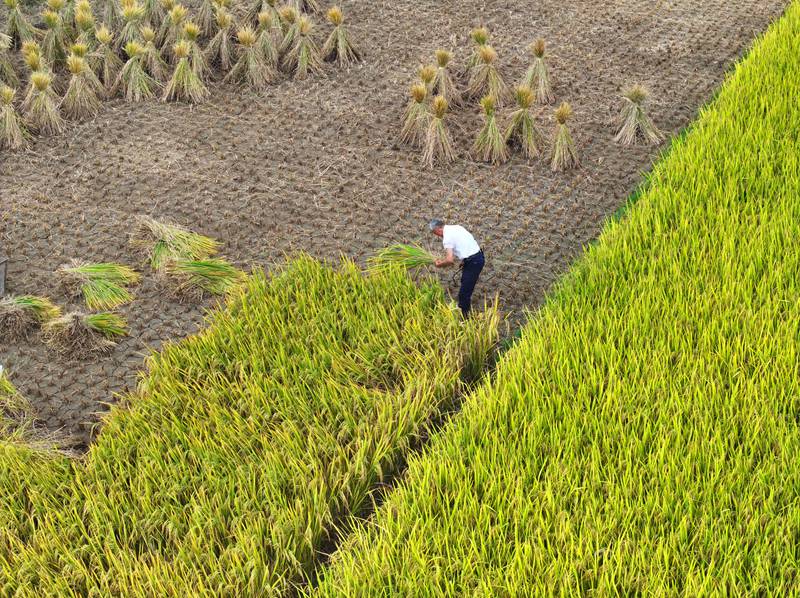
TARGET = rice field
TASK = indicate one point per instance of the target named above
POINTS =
(246, 448)
(641, 438)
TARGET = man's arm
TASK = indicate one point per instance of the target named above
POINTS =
(449, 260)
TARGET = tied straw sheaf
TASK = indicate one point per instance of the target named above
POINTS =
(248, 448)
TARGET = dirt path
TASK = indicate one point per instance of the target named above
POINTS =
(314, 165)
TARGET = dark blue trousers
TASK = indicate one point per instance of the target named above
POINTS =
(470, 272)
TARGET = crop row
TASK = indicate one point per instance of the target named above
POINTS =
(642, 436)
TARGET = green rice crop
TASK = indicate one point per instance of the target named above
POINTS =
(407, 256)
(641, 438)
(165, 242)
(101, 285)
(247, 447)
(198, 277)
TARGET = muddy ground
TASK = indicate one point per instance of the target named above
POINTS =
(315, 165)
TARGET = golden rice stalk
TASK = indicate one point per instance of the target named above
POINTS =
(537, 77)
(7, 73)
(185, 85)
(110, 65)
(164, 242)
(13, 135)
(406, 256)
(40, 107)
(85, 24)
(485, 79)
(32, 56)
(416, 117)
(564, 154)
(54, 40)
(290, 24)
(251, 67)
(194, 279)
(154, 64)
(304, 57)
(219, 50)
(266, 39)
(197, 59)
(132, 17)
(19, 315)
(635, 125)
(522, 132)
(14, 408)
(490, 145)
(78, 335)
(17, 26)
(172, 28)
(80, 100)
(438, 144)
(427, 74)
(479, 37)
(443, 83)
(205, 17)
(102, 286)
(137, 85)
(339, 47)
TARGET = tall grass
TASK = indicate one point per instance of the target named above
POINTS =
(247, 446)
(642, 437)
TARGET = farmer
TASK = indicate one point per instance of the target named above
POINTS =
(459, 244)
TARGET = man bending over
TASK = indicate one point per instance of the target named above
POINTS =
(459, 244)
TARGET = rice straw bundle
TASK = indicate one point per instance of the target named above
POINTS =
(490, 144)
(79, 335)
(185, 84)
(304, 58)
(102, 286)
(154, 64)
(137, 85)
(537, 77)
(19, 315)
(484, 77)
(479, 37)
(219, 50)
(405, 256)
(110, 64)
(339, 47)
(635, 124)
(443, 83)
(564, 154)
(415, 120)
(54, 40)
(197, 59)
(438, 144)
(522, 131)
(17, 26)
(266, 40)
(251, 67)
(80, 100)
(164, 242)
(172, 28)
(132, 16)
(290, 25)
(7, 73)
(41, 107)
(259, 6)
(13, 135)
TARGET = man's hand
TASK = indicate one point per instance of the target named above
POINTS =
(440, 263)
(449, 260)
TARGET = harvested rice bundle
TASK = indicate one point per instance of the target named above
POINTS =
(194, 279)
(290, 25)
(112, 14)
(305, 5)
(205, 17)
(259, 6)
(164, 242)
(406, 256)
(19, 315)
(32, 56)
(537, 77)
(185, 84)
(635, 124)
(81, 50)
(160, 11)
(522, 131)
(485, 79)
(102, 286)
(266, 39)
(490, 145)
(17, 26)
(219, 50)
(197, 59)
(252, 67)
(7, 73)
(137, 85)
(564, 154)
(151, 11)
(12, 133)
(132, 16)
(427, 74)
(41, 107)
(304, 58)
(81, 100)
(54, 40)
(415, 120)
(479, 37)
(153, 63)
(172, 27)
(443, 83)
(80, 335)
(109, 64)
(338, 47)
(438, 144)
(85, 23)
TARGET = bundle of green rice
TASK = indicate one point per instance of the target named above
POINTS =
(304, 58)
(137, 85)
(522, 131)
(19, 315)
(635, 124)
(40, 107)
(185, 84)
(484, 77)
(537, 77)
(194, 279)
(78, 335)
(564, 154)
(406, 256)
(7, 73)
(416, 117)
(17, 26)
(165, 242)
(102, 286)
(443, 83)
(490, 145)
(13, 135)
(438, 143)
(339, 47)
(252, 67)
(81, 100)
(219, 50)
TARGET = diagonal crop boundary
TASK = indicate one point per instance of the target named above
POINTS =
(642, 437)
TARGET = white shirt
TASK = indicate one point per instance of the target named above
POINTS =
(459, 239)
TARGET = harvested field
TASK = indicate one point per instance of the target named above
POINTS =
(314, 165)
